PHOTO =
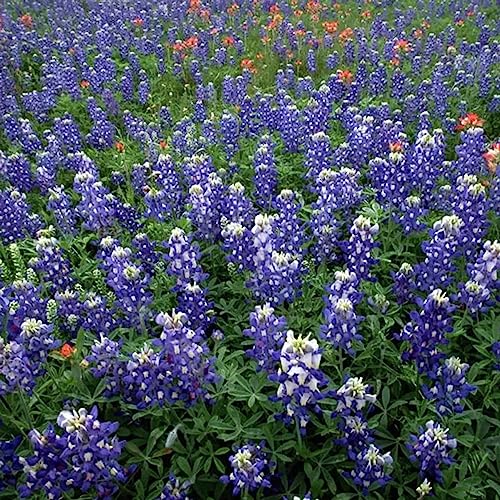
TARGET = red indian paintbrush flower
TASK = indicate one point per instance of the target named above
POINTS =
(402, 45)
(345, 75)
(26, 20)
(67, 350)
(470, 120)
(492, 157)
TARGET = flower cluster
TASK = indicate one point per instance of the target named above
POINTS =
(177, 368)
(340, 326)
(477, 294)
(370, 464)
(83, 458)
(426, 332)
(183, 264)
(268, 332)
(435, 271)
(300, 380)
(252, 469)
(175, 490)
(449, 387)
(9, 462)
(431, 449)
(22, 360)
(277, 275)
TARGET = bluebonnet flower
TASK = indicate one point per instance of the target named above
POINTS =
(268, 332)
(359, 247)
(486, 269)
(288, 229)
(16, 371)
(338, 191)
(475, 296)
(469, 152)
(84, 458)
(230, 132)
(24, 300)
(145, 252)
(423, 166)
(103, 358)
(431, 449)
(102, 133)
(144, 88)
(127, 84)
(196, 169)
(139, 380)
(174, 489)
(189, 369)
(110, 103)
(318, 154)
(300, 380)
(471, 205)
(192, 301)
(411, 214)
(404, 283)
(477, 293)
(205, 207)
(95, 207)
(316, 113)
(449, 387)
(37, 339)
(15, 221)
(68, 133)
(311, 61)
(353, 397)
(9, 462)
(18, 172)
(386, 175)
(237, 243)
(307, 496)
(251, 469)
(157, 206)
(266, 174)
(427, 330)
(341, 322)
(60, 205)
(130, 284)
(53, 268)
(436, 270)
(237, 207)
(183, 258)
(370, 469)
(277, 275)
(98, 313)
(46, 171)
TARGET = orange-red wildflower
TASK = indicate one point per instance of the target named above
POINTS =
(330, 26)
(67, 350)
(26, 20)
(345, 75)
(492, 157)
(470, 120)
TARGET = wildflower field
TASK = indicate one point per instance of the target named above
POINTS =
(250, 248)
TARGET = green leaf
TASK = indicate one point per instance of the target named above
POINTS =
(184, 466)
(153, 439)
